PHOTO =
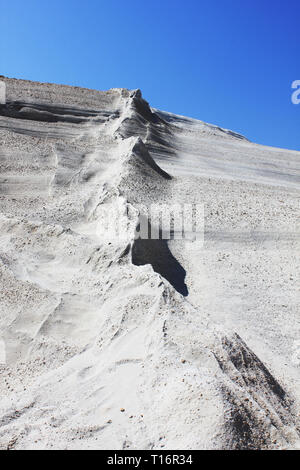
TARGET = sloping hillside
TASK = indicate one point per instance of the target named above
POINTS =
(116, 342)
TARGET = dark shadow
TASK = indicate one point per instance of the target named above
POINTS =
(158, 254)
(142, 152)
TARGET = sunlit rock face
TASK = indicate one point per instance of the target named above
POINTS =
(110, 341)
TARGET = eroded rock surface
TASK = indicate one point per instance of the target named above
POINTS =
(112, 342)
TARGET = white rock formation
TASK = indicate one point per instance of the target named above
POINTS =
(2, 93)
(113, 344)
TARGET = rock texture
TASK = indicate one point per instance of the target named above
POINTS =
(117, 343)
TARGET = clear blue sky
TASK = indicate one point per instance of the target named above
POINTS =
(227, 62)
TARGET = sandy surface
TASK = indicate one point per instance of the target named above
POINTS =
(112, 343)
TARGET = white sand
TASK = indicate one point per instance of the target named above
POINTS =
(87, 333)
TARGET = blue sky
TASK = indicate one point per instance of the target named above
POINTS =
(227, 62)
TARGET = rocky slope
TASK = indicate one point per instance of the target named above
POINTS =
(114, 342)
